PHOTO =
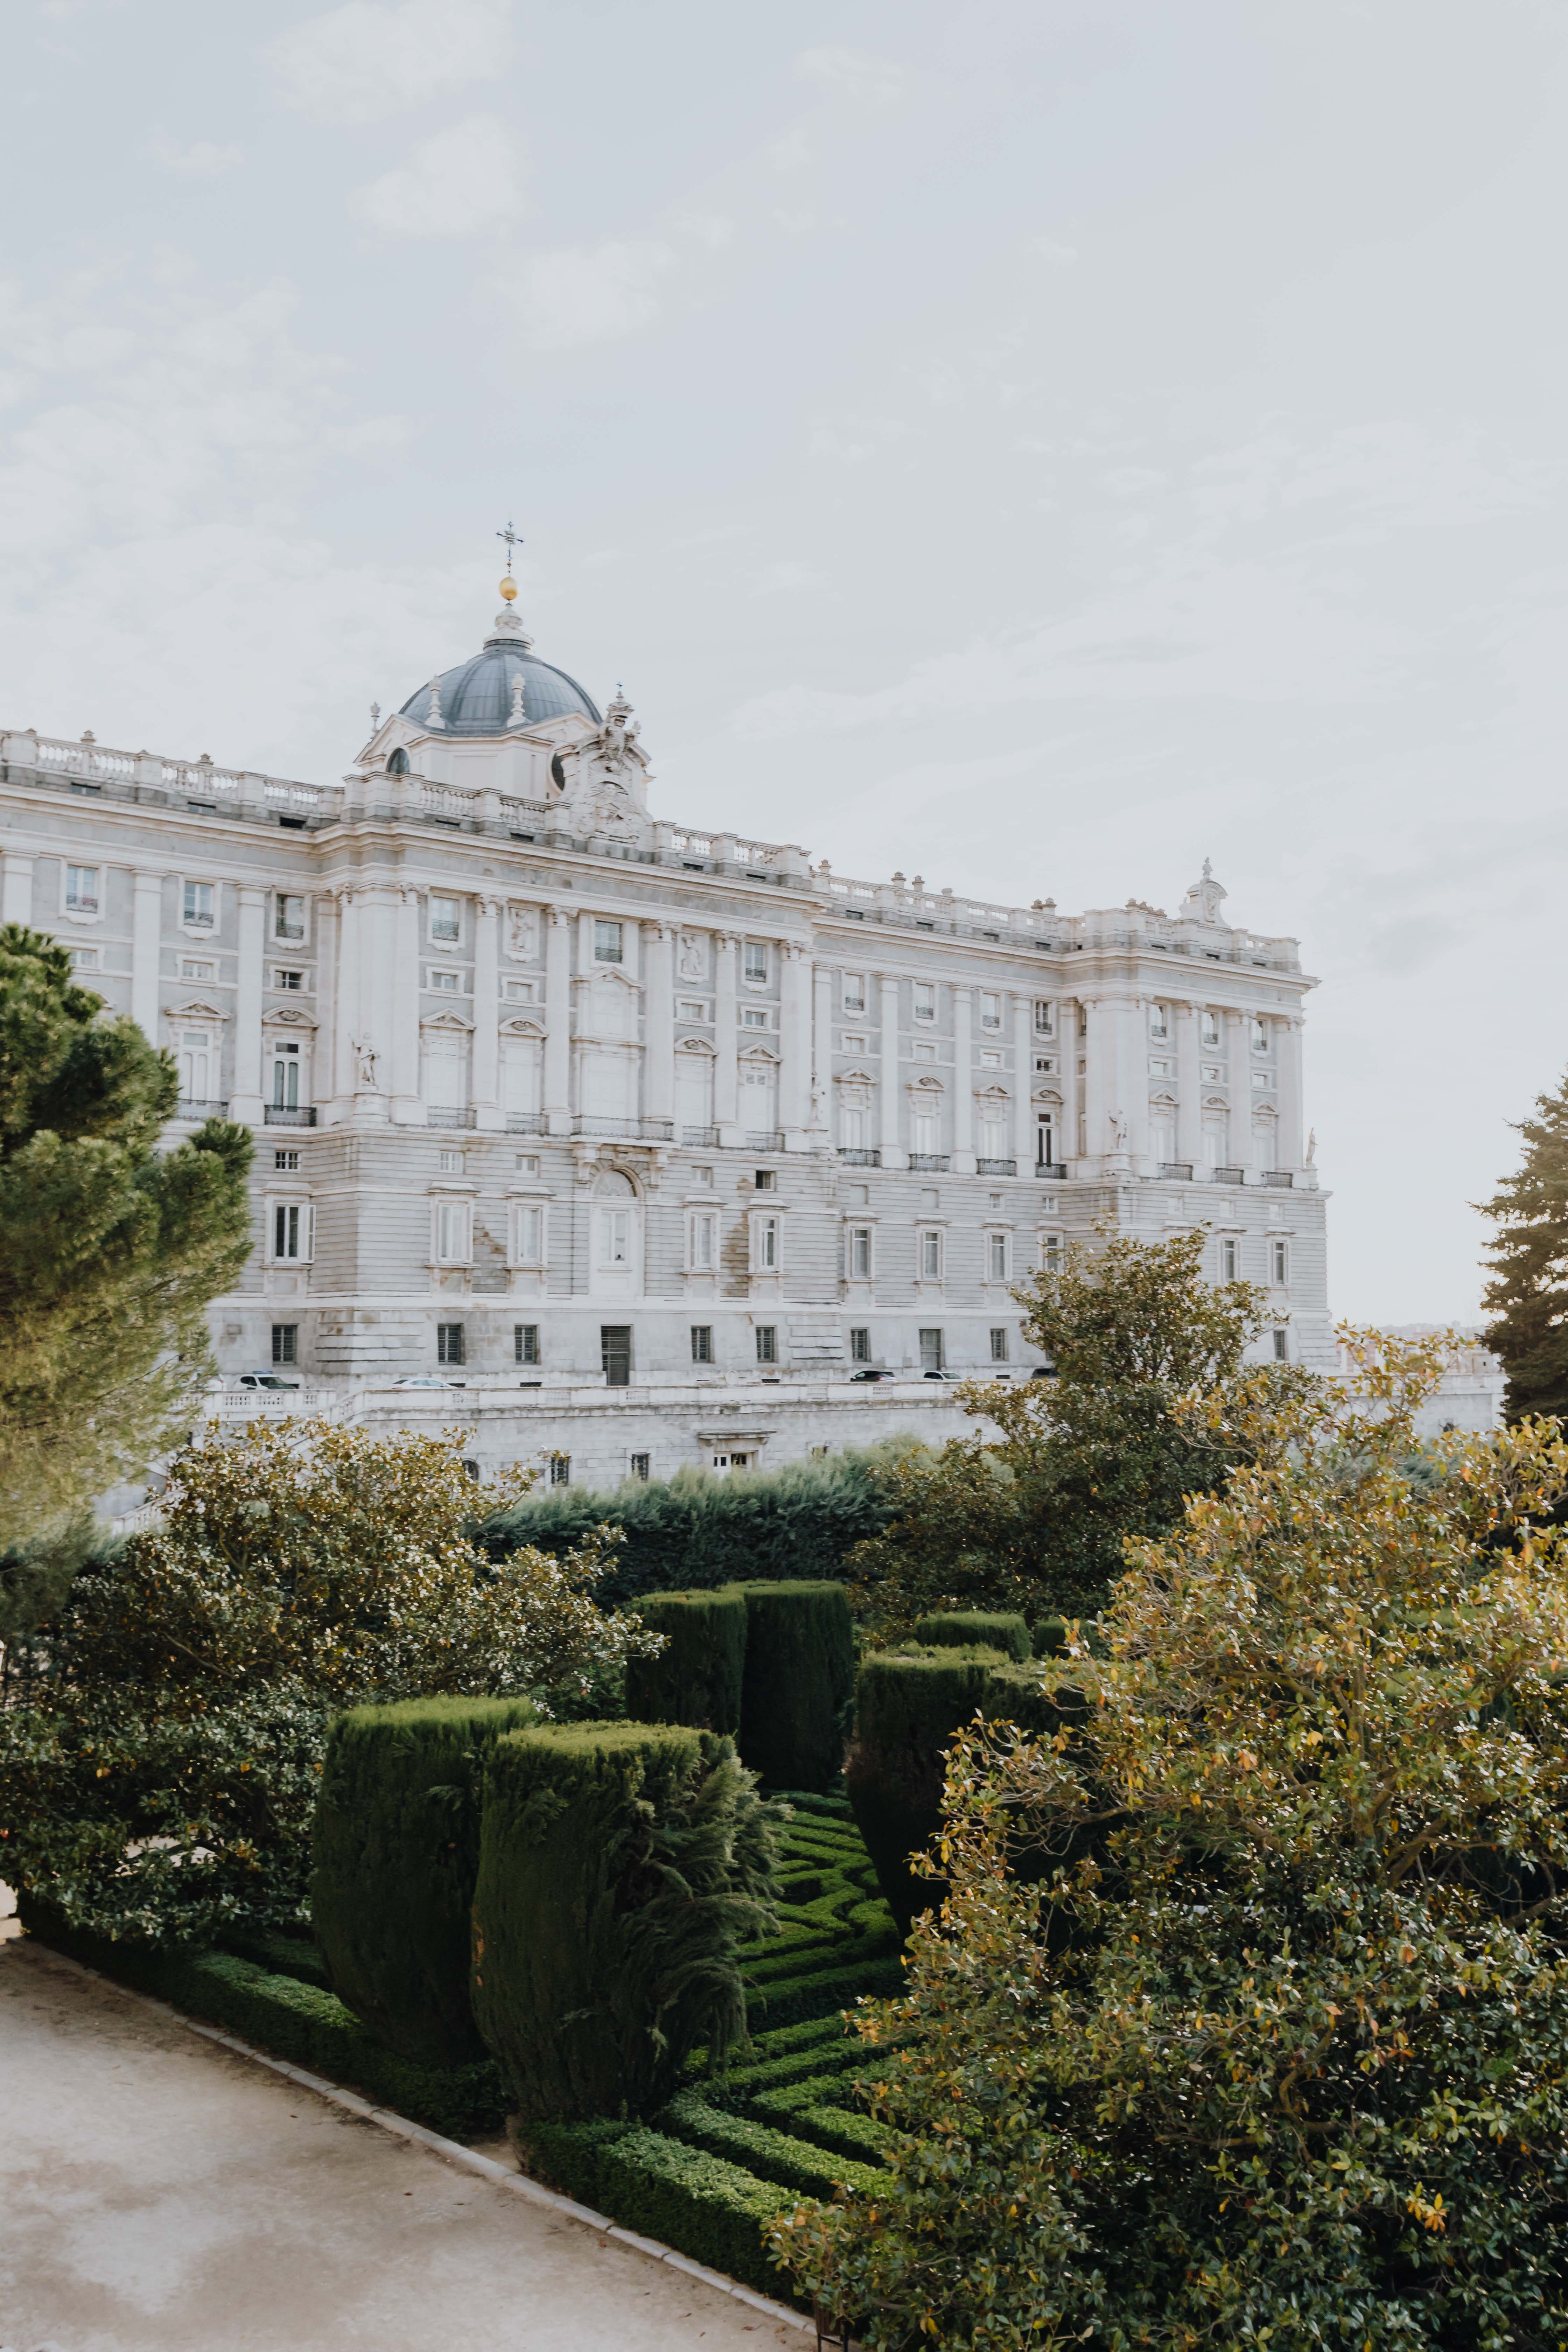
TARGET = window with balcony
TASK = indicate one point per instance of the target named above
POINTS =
(197, 1053)
(81, 890)
(288, 1083)
(608, 943)
(925, 999)
(925, 1127)
(854, 991)
(446, 919)
(990, 1009)
(199, 912)
(755, 961)
(289, 918)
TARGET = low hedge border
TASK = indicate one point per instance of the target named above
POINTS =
(762, 2148)
(699, 2203)
(844, 2131)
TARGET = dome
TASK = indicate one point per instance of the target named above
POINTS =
(476, 698)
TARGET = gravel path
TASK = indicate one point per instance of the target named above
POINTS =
(160, 2194)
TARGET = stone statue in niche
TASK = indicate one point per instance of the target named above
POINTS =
(1117, 1130)
(364, 1062)
(693, 961)
(522, 933)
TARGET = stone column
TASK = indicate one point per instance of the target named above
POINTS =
(891, 1085)
(489, 1119)
(1097, 1097)
(558, 1023)
(963, 1082)
(1238, 1069)
(794, 1044)
(16, 901)
(350, 979)
(372, 1079)
(1133, 1087)
(726, 1020)
(1189, 1085)
(822, 1053)
(1023, 1086)
(659, 1026)
(146, 938)
(1067, 1068)
(324, 1059)
(247, 1098)
(408, 1108)
(1288, 1052)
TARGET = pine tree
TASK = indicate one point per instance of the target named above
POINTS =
(109, 1249)
(1528, 1294)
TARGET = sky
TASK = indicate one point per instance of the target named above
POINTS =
(1036, 445)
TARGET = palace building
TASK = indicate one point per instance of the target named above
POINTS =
(652, 1139)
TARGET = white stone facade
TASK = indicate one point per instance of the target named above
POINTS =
(551, 1093)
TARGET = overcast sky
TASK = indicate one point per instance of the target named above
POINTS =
(1033, 444)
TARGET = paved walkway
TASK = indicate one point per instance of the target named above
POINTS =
(160, 2194)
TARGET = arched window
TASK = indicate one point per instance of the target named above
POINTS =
(397, 765)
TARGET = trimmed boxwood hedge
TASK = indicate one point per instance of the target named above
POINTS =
(395, 1849)
(799, 1683)
(697, 1678)
(975, 1629)
(908, 1706)
(762, 2148)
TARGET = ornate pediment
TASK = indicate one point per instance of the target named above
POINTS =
(196, 1008)
(522, 1024)
(288, 1016)
(457, 1023)
(697, 1045)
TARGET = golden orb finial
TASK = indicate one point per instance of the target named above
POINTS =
(509, 589)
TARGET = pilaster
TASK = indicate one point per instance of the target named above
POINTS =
(962, 1163)
(558, 1022)
(488, 1115)
(246, 1098)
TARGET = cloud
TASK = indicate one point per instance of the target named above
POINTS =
(850, 73)
(367, 60)
(591, 295)
(463, 180)
(202, 161)
(788, 579)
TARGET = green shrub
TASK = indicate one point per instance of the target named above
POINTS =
(972, 1629)
(395, 1850)
(695, 1531)
(843, 2130)
(621, 1866)
(696, 1676)
(706, 2208)
(799, 1683)
(569, 2156)
(762, 2149)
(907, 1709)
(1051, 1637)
(825, 1992)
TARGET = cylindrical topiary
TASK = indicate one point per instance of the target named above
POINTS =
(972, 1629)
(621, 1866)
(695, 1677)
(799, 1684)
(906, 1708)
(395, 1851)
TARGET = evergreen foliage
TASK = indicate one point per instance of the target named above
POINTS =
(110, 1250)
(799, 1683)
(908, 1705)
(1275, 2053)
(697, 1678)
(972, 1629)
(396, 1851)
(695, 1531)
(1036, 1518)
(162, 1735)
(1526, 1296)
(621, 1866)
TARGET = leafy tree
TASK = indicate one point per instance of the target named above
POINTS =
(1528, 1294)
(161, 1739)
(1036, 1519)
(109, 1251)
(1273, 2049)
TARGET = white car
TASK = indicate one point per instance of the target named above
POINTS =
(426, 1381)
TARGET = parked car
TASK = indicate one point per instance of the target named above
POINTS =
(426, 1381)
(264, 1380)
(870, 1372)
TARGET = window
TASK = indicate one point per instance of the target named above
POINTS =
(451, 1223)
(765, 1244)
(692, 1008)
(1229, 1260)
(561, 1469)
(451, 1163)
(449, 983)
(925, 1053)
(444, 918)
(999, 1343)
(1050, 1251)
(1259, 1038)
(702, 1244)
(854, 991)
(702, 1343)
(198, 1059)
(854, 1119)
(518, 991)
(191, 967)
(614, 1237)
(1159, 1022)
(639, 1465)
(285, 1343)
(925, 999)
(81, 890)
(288, 922)
(86, 960)
(290, 980)
(992, 1061)
(932, 1353)
(607, 943)
(991, 1128)
(1281, 1347)
(527, 1234)
(996, 1257)
(860, 1253)
(290, 1232)
(1045, 1142)
(1045, 1018)
(852, 1043)
(990, 1009)
(450, 1348)
(1280, 1262)
(525, 1343)
(755, 963)
(285, 1161)
(286, 1061)
(930, 1245)
(767, 1343)
(766, 1180)
(198, 906)
(1211, 1029)
(526, 1163)
(925, 1125)
(615, 1354)
(756, 1016)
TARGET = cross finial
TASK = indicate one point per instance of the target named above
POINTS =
(512, 538)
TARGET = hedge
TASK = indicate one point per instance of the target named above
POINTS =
(908, 1707)
(620, 1866)
(695, 1531)
(696, 1676)
(970, 1629)
(762, 2148)
(799, 1683)
(395, 1849)
(703, 2206)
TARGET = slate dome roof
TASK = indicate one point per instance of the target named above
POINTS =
(476, 697)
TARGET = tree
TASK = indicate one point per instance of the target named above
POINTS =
(1273, 2049)
(110, 1250)
(1036, 1519)
(1528, 1294)
(160, 1738)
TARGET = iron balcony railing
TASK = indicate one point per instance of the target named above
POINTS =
(1179, 1171)
(700, 1138)
(1227, 1175)
(448, 1115)
(631, 1131)
(855, 1155)
(765, 1138)
(191, 1107)
(525, 1122)
(1057, 1168)
(930, 1163)
(289, 1114)
(1282, 1179)
(996, 1167)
